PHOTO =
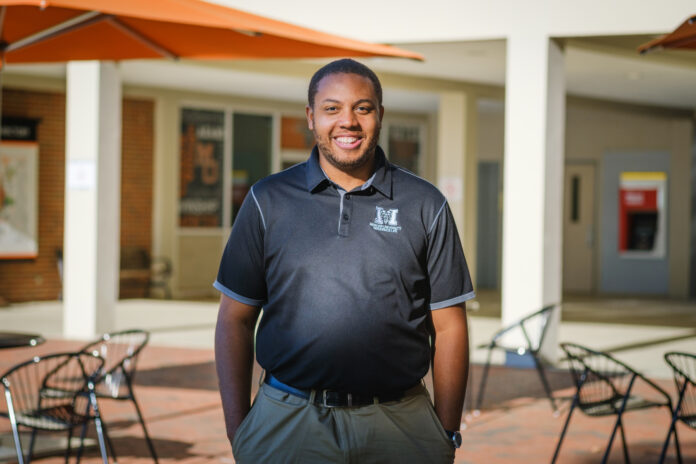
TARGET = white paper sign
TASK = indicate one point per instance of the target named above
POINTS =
(82, 175)
(452, 188)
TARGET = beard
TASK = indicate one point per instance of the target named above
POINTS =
(366, 155)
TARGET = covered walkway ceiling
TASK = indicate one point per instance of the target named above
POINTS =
(607, 68)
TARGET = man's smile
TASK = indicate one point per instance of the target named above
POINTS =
(348, 142)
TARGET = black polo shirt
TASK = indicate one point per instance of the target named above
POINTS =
(346, 280)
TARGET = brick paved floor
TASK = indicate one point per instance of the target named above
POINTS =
(177, 389)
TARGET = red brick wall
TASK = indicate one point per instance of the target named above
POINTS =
(38, 279)
(136, 184)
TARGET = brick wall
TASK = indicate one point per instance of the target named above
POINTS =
(136, 185)
(38, 279)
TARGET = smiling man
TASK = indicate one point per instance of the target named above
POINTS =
(359, 270)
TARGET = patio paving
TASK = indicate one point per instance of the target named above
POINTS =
(177, 390)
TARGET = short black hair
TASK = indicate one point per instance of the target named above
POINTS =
(345, 66)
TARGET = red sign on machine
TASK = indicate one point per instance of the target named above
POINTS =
(635, 205)
(641, 211)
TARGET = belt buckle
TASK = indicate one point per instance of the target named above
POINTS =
(349, 400)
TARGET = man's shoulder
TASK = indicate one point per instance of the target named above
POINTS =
(415, 187)
(292, 177)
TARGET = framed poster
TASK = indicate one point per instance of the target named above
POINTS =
(18, 200)
(201, 182)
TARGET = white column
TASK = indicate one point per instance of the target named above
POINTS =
(456, 164)
(533, 179)
(92, 198)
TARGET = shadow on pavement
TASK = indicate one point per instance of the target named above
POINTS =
(201, 376)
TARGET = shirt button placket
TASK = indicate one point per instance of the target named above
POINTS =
(346, 216)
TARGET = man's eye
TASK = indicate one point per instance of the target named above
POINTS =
(363, 109)
(330, 109)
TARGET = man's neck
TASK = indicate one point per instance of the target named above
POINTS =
(347, 180)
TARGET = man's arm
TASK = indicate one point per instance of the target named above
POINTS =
(450, 364)
(234, 359)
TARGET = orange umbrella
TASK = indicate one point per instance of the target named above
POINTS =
(683, 37)
(34, 31)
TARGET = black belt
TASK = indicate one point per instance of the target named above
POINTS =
(335, 399)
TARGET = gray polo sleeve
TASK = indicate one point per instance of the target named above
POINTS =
(450, 282)
(241, 275)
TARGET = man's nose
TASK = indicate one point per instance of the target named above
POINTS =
(348, 119)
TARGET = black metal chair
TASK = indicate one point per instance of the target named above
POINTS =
(684, 368)
(533, 329)
(605, 387)
(120, 351)
(54, 393)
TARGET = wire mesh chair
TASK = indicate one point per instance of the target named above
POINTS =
(684, 368)
(54, 393)
(533, 329)
(604, 387)
(120, 351)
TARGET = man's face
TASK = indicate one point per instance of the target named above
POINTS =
(345, 119)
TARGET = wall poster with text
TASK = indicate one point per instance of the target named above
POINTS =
(201, 183)
(18, 199)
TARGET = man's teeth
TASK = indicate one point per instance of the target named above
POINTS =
(346, 139)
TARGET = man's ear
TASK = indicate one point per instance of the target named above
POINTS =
(310, 117)
(381, 113)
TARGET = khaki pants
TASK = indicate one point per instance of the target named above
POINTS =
(283, 428)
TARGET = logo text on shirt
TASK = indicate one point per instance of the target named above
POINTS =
(385, 220)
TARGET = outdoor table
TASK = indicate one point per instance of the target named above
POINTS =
(18, 339)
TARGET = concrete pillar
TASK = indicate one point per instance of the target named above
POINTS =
(92, 198)
(165, 191)
(456, 165)
(533, 179)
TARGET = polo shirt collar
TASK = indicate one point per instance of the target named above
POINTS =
(381, 179)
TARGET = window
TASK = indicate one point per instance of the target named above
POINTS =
(251, 154)
(201, 183)
(404, 146)
(206, 157)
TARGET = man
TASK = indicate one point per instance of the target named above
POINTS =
(357, 265)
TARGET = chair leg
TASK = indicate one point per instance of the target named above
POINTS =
(83, 433)
(676, 445)
(67, 446)
(142, 421)
(98, 425)
(611, 439)
(674, 417)
(663, 454)
(15, 433)
(32, 441)
(484, 377)
(565, 428)
(544, 381)
(625, 446)
(109, 443)
(672, 429)
(619, 425)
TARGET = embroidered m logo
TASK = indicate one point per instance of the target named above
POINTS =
(386, 217)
